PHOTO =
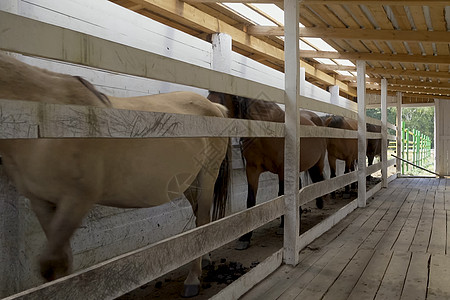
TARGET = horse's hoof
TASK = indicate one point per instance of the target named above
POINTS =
(190, 290)
(242, 245)
(280, 231)
(319, 203)
(206, 261)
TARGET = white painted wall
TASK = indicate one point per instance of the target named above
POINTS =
(108, 232)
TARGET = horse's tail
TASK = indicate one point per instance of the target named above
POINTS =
(221, 186)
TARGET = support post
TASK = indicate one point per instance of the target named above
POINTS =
(384, 142)
(221, 49)
(221, 61)
(334, 94)
(399, 132)
(292, 125)
(362, 139)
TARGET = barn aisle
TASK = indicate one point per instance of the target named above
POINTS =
(395, 248)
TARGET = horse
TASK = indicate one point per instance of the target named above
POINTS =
(347, 149)
(64, 178)
(343, 149)
(373, 145)
(264, 154)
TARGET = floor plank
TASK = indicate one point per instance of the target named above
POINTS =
(415, 287)
(369, 282)
(439, 275)
(394, 248)
(392, 283)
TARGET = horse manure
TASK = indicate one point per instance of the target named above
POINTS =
(225, 272)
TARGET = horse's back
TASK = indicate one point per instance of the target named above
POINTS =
(176, 102)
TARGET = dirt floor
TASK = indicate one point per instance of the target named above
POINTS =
(229, 264)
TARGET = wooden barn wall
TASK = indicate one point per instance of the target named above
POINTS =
(108, 232)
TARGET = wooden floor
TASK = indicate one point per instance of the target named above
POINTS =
(398, 247)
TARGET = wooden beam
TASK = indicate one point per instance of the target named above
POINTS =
(445, 92)
(325, 67)
(377, 2)
(398, 72)
(357, 34)
(426, 59)
(234, 1)
(188, 15)
(412, 83)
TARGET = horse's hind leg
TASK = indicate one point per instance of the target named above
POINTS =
(59, 223)
(316, 174)
(200, 195)
(332, 163)
(253, 181)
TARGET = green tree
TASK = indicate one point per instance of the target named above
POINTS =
(420, 118)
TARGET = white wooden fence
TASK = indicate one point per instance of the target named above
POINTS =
(123, 273)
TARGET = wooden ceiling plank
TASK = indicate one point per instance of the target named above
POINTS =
(437, 14)
(328, 15)
(371, 46)
(399, 47)
(415, 48)
(357, 45)
(310, 17)
(401, 17)
(442, 50)
(343, 15)
(418, 17)
(427, 46)
(380, 16)
(360, 16)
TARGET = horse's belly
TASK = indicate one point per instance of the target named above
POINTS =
(151, 173)
(115, 172)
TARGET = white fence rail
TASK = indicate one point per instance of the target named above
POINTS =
(126, 272)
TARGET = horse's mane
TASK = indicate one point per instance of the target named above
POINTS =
(103, 98)
(335, 122)
(254, 109)
(373, 128)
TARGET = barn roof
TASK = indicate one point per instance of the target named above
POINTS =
(403, 41)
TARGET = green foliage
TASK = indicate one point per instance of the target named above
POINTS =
(420, 118)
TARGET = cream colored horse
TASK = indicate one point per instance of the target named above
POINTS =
(64, 178)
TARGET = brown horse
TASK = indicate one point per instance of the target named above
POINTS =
(267, 154)
(347, 149)
(64, 178)
(373, 145)
(343, 149)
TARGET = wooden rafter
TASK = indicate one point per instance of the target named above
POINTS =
(396, 72)
(357, 34)
(188, 15)
(406, 58)
(376, 2)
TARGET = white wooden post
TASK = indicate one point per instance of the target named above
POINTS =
(302, 82)
(334, 94)
(362, 141)
(221, 61)
(292, 124)
(384, 133)
(221, 48)
(399, 132)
